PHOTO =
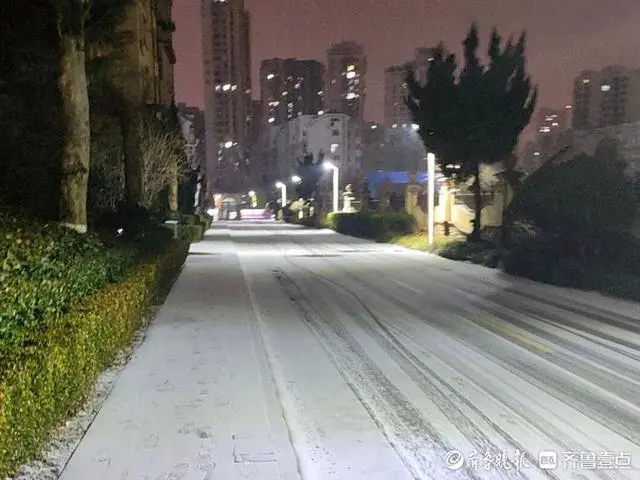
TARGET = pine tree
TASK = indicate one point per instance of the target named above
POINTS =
(476, 118)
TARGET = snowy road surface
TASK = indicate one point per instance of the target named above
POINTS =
(285, 353)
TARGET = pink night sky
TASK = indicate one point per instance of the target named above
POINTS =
(565, 36)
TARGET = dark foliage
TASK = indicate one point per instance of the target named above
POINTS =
(310, 171)
(379, 226)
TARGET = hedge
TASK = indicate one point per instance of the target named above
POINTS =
(47, 376)
(379, 226)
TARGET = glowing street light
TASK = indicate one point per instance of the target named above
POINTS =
(283, 192)
(431, 194)
(296, 179)
(330, 166)
(228, 144)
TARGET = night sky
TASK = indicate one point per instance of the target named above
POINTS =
(565, 36)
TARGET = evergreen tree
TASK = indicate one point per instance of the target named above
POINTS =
(310, 172)
(477, 116)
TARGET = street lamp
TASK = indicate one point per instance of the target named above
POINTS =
(283, 192)
(431, 194)
(330, 166)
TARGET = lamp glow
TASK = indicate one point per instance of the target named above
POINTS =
(330, 166)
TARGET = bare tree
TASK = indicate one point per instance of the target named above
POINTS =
(162, 156)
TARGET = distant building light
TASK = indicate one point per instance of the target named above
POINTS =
(226, 87)
(373, 127)
(320, 92)
(321, 112)
(271, 120)
(234, 88)
(415, 126)
(228, 144)
(555, 124)
(334, 147)
(536, 154)
(568, 107)
(586, 81)
(605, 88)
(270, 76)
(284, 94)
(351, 96)
(351, 74)
(395, 125)
(351, 68)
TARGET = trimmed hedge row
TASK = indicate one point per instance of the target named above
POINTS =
(47, 376)
(45, 268)
(379, 226)
(193, 227)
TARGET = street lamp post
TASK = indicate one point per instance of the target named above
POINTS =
(331, 166)
(283, 193)
(431, 195)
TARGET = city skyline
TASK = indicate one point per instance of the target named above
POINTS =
(598, 34)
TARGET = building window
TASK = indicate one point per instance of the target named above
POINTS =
(335, 132)
(334, 147)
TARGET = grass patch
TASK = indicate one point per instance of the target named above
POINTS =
(419, 241)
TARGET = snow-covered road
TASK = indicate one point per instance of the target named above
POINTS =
(289, 353)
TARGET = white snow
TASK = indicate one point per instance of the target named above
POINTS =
(289, 353)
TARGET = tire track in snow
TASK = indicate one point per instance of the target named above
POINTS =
(568, 443)
(409, 433)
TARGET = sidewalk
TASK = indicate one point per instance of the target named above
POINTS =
(196, 401)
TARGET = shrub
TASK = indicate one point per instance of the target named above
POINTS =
(577, 197)
(379, 226)
(482, 253)
(46, 268)
(191, 233)
(46, 377)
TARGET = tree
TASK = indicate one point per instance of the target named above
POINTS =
(476, 117)
(71, 17)
(310, 172)
(579, 198)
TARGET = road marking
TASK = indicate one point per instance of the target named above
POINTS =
(510, 332)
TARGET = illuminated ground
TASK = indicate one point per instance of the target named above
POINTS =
(285, 353)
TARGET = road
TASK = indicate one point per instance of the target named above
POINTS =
(290, 353)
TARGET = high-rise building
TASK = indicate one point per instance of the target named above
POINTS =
(227, 72)
(346, 79)
(289, 88)
(396, 114)
(395, 110)
(605, 98)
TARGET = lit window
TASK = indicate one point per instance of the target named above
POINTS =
(351, 68)
(321, 112)
(351, 96)
(320, 92)
(605, 88)
(334, 147)
(351, 74)
(586, 81)
(270, 76)
(271, 120)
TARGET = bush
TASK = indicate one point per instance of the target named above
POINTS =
(577, 197)
(46, 268)
(48, 376)
(610, 265)
(481, 253)
(191, 233)
(379, 226)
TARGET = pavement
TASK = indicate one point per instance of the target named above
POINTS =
(291, 353)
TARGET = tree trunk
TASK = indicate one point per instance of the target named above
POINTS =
(72, 83)
(133, 168)
(477, 203)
